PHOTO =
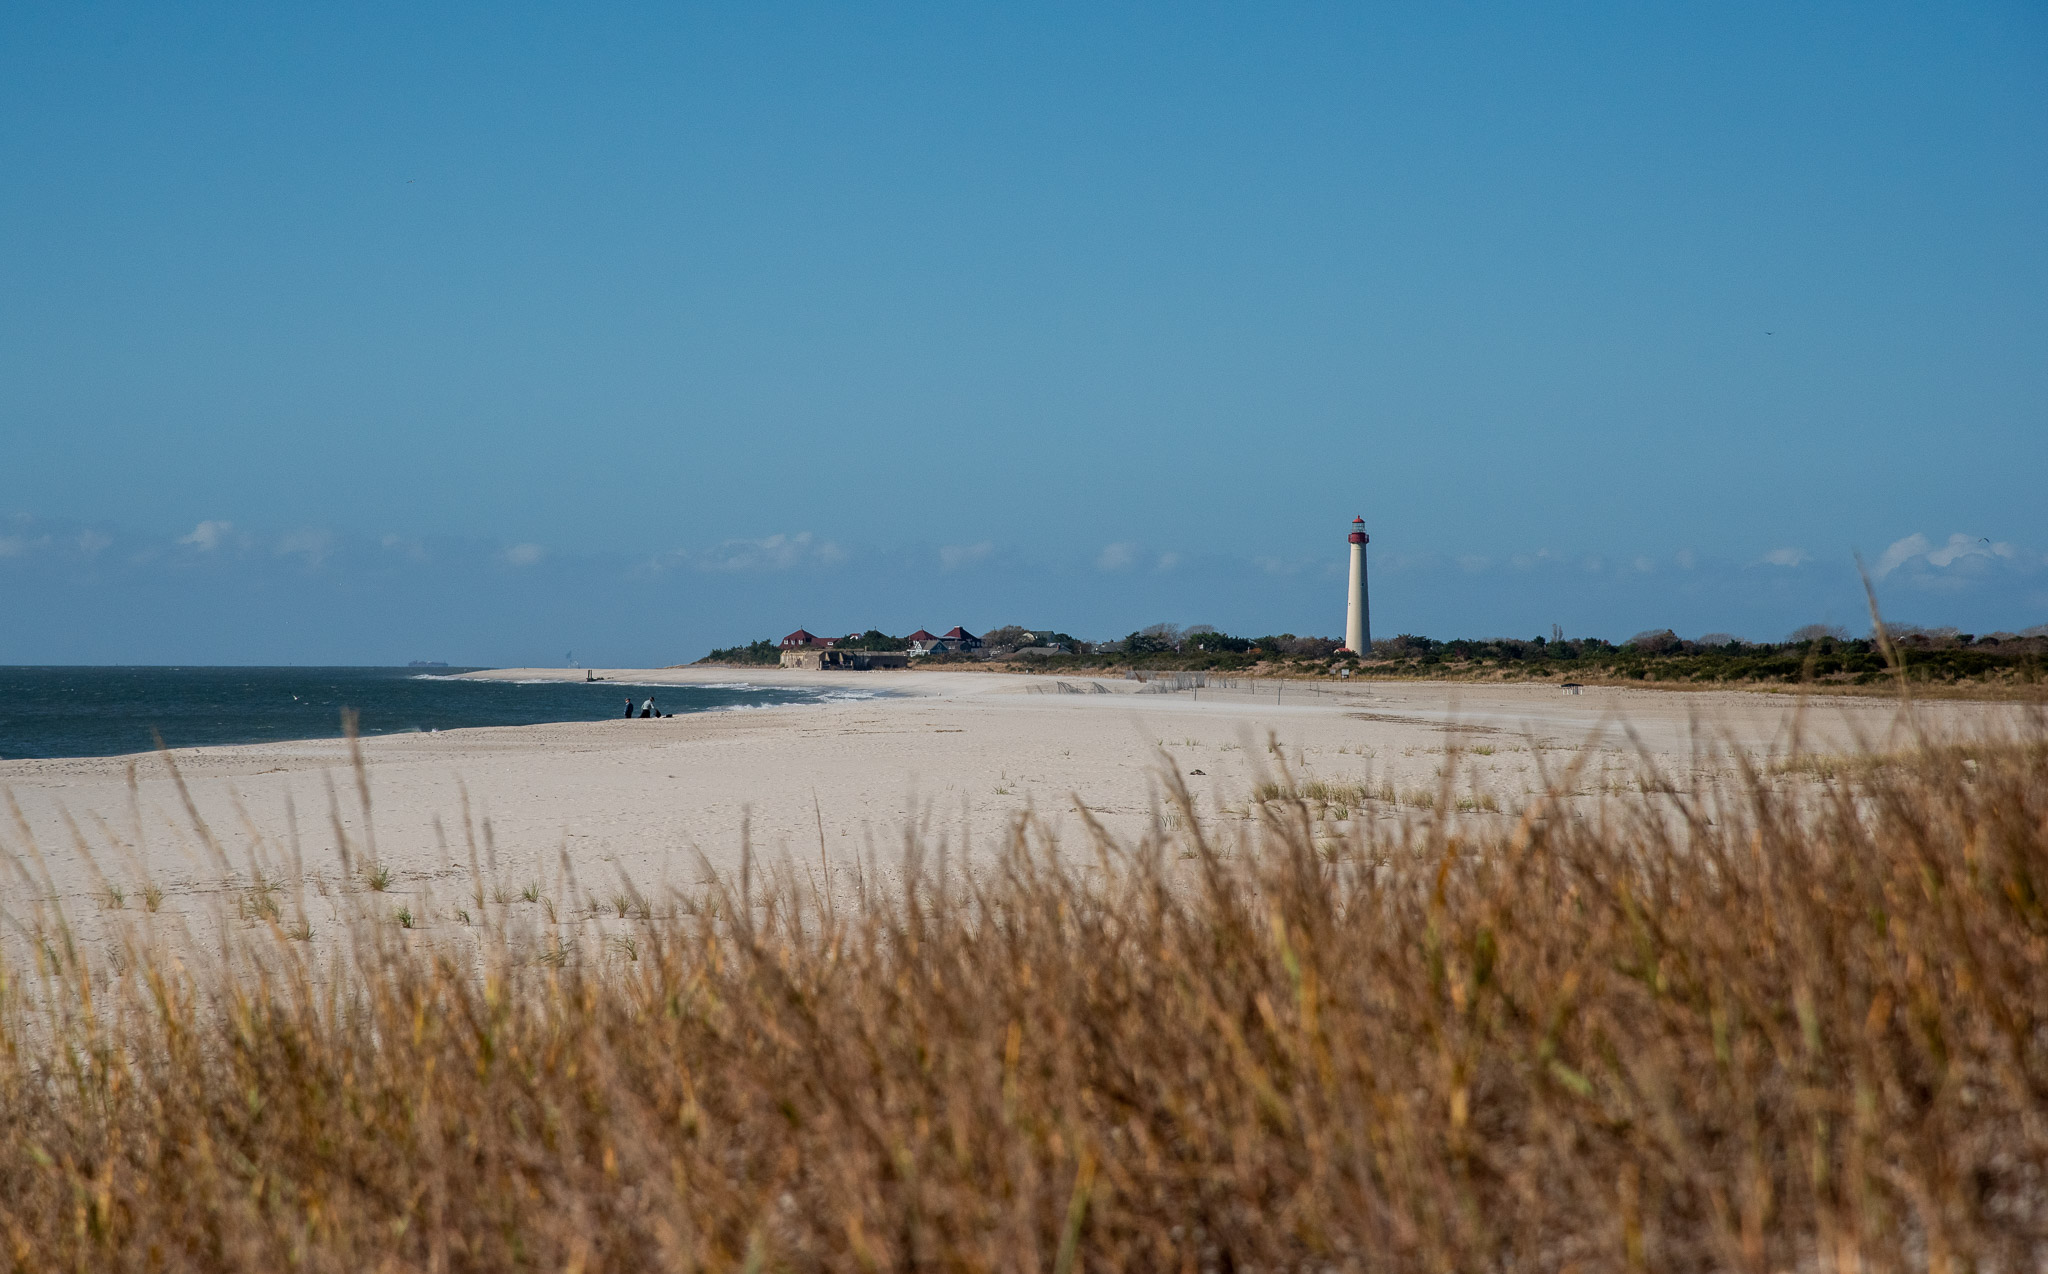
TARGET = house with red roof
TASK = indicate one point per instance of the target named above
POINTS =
(807, 650)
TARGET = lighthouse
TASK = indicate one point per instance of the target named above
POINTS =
(1357, 621)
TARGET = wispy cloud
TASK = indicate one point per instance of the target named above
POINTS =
(1787, 557)
(954, 556)
(208, 535)
(525, 554)
(1960, 547)
(312, 545)
(1116, 557)
(770, 553)
(1900, 553)
(1167, 561)
(405, 545)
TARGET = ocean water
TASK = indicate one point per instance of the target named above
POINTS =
(52, 712)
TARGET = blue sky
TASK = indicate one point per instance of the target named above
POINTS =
(491, 333)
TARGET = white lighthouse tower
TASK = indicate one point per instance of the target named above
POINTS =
(1357, 621)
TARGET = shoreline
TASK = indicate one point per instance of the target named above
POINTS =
(262, 732)
(838, 784)
(1980, 690)
(974, 685)
(691, 675)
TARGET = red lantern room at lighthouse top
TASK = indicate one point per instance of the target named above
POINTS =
(1358, 535)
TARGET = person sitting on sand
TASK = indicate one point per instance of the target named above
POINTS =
(646, 709)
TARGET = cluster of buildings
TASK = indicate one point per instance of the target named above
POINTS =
(807, 650)
(956, 641)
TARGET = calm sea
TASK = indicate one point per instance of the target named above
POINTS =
(46, 712)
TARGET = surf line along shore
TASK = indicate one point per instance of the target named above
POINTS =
(957, 753)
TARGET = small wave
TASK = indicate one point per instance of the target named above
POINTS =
(495, 681)
(803, 698)
(608, 681)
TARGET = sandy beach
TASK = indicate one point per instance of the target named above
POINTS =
(827, 788)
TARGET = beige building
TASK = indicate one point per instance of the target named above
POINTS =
(819, 659)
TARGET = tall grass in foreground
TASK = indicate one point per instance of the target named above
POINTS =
(1782, 1032)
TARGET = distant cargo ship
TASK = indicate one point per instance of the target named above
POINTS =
(428, 663)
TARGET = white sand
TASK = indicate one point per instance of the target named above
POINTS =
(956, 753)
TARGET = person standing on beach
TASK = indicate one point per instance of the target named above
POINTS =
(629, 707)
(646, 709)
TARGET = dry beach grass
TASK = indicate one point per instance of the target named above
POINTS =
(1782, 1027)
